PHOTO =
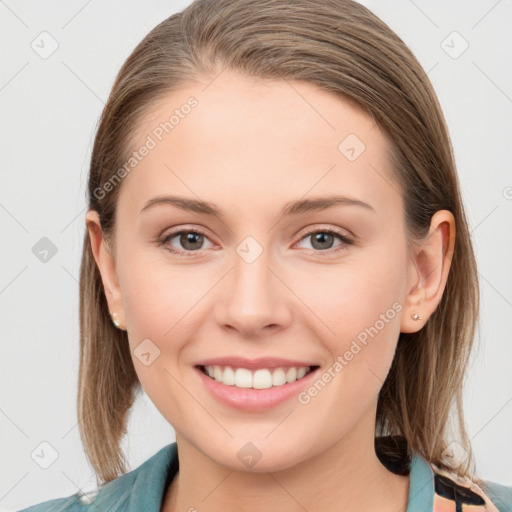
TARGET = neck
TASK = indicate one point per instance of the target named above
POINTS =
(348, 476)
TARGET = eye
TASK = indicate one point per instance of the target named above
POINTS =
(193, 240)
(190, 239)
(323, 239)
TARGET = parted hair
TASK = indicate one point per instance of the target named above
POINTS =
(342, 47)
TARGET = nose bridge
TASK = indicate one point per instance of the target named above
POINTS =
(253, 287)
(254, 298)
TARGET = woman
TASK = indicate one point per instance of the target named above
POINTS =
(277, 253)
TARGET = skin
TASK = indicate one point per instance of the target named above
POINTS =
(249, 147)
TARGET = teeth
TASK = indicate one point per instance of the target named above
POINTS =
(259, 379)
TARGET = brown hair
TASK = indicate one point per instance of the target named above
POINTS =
(345, 49)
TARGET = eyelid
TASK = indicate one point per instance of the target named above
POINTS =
(327, 229)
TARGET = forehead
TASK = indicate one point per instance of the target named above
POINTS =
(245, 137)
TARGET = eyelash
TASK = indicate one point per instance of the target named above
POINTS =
(344, 238)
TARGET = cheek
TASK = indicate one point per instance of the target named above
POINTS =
(362, 309)
(162, 301)
(359, 305)
(156, 292)
(352, 296)
(158, 300)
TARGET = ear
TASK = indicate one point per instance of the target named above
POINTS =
(105, 261)
(428, 271)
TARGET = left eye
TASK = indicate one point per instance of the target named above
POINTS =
(323, 237)
(192, 240)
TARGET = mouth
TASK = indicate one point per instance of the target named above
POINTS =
(261, 378)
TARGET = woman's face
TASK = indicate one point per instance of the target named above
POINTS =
(260, 281)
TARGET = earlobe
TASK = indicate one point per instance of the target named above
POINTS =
(428, 272)
(106, 264)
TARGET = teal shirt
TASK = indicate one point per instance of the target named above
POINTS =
(144, 488)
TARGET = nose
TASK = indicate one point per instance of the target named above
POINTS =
(254, 299)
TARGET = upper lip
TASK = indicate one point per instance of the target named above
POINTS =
(260, 362)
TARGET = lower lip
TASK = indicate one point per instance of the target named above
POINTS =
(255, 400)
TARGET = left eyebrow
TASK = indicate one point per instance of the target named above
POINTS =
(321, 203)
(291, 208)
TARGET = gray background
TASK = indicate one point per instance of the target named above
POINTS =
(49, 110)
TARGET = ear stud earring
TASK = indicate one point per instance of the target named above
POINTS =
(416, 317)
(115, 320)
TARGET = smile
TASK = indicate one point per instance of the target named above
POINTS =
(262, 378)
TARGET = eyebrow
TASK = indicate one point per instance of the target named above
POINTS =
(292, 208)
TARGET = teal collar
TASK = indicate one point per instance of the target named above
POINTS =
(421, 486)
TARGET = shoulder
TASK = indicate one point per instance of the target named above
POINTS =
(500, 495)
(433, 488)
(68, 504)
(143, 484)
(115, 493)
(484, 495)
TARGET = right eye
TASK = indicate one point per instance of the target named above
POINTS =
(191, 239)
